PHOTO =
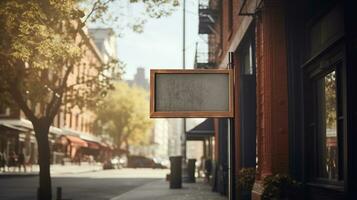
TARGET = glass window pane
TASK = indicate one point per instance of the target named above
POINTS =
(248, 61)
(327, 134)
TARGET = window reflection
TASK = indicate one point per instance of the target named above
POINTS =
(327, 134)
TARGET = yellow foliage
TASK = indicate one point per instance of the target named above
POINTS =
(124, 114)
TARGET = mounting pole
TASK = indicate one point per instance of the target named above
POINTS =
(183, 137)
(230, 141)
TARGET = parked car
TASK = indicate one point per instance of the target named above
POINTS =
(143, 162)
(115, 162)
(161, 163)
(108, 165)
(119, 161)
(123, 161)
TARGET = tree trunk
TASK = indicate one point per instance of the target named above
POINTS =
(127, 147)
(41, 128)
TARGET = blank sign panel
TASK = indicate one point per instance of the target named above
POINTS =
(191, 93)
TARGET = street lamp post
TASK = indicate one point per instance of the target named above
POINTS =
(183, 137)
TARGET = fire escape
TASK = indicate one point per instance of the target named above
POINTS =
(205, 51)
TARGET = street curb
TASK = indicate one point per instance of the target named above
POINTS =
(81, 172)
(32, 174)
(13, 175)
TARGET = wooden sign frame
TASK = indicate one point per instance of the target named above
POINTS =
(191, 114)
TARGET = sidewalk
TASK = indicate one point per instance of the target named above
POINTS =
(159, 190)
(55, 170)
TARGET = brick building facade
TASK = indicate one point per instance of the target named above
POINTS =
(293, 92)
(71, 134)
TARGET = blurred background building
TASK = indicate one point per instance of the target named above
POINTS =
(105, 41)
(72, 137)
(140, 79)
(166, 133)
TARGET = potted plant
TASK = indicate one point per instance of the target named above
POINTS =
(246, 178)
(280, 186)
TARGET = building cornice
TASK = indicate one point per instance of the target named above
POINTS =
(236, 40)
(91, 46)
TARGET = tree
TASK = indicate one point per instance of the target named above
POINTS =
(41, 44)
(124, 114)
(330, 100)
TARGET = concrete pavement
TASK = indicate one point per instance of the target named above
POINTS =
(99, 185)
(84, 183)
(159, 190)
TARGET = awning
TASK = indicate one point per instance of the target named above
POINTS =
(89, 137)
(17, 124)
(55, 130)
(76, 141)
(93, 145)
(82, 135)
(25, 125)
(201, 131)
(12, 127)
(105, 145)
(62, 140)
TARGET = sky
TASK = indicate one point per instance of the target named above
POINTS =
(160, 45)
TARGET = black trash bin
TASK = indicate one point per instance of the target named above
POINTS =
(191, 169)
(176, 172)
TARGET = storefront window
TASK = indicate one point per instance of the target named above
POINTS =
(324, 96)
(327, 140)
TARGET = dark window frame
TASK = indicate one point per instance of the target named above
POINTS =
(330, 61)
(317, 65)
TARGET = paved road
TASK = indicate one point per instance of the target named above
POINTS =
(98, 185)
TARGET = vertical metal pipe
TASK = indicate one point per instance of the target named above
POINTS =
(230, 144)
(184, 34)
(229, 160)
(183, 137)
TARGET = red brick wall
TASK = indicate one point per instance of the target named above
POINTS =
(272, 90)
(227, 32)
(272, 105)
(272, 97)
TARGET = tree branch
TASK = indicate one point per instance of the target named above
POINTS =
(93, 79)
(94, 8)
(16, 94)
(56, 101)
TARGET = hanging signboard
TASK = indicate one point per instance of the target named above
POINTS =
(191, 93)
